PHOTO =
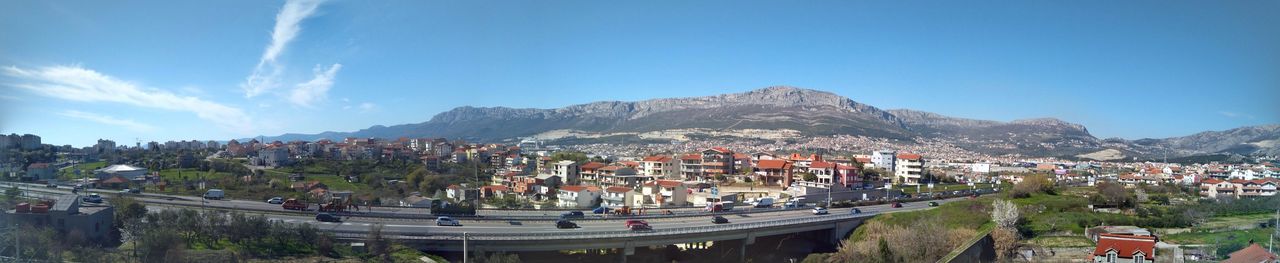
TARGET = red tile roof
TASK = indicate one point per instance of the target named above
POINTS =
(617, 189)
(115, 180)
(573, 188)
(822, 165)
(908, 156)
(691, 157)
(741, 156)
(863, 160)
(1125, 245)
(721, 150)
(668, 183)
(773, 164)
(657, 158)
(592, 165)
(1251, 254)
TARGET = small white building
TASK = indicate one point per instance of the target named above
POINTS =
(122, 170)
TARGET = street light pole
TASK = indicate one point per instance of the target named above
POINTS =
(464, 247)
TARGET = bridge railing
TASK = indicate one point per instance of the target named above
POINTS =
(595, 234)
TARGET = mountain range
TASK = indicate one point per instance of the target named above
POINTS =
(779, 112)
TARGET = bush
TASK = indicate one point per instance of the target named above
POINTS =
(1031, 184)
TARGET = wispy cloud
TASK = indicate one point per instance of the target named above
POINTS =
(306, 94)
(266, 74)
(108, 120)
(366, 107)
(1234, 115)
(79, 84)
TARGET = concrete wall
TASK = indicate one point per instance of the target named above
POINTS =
(981, 250)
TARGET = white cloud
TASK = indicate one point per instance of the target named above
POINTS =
(1229, 114)
(108, 120)
(366, 107)
(266, 74)
(79, 84)
(306, 94)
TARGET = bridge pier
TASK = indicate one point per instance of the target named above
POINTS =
(742, 251)
(627, 250)
(843, 228)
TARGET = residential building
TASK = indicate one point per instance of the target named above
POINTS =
(1114, 248)
(567, 170)
(589, 172)
(774, 172)
(691, 168)
(40, 171)
(908, 168)
(616, 196)
(1238, 188)
(660, 165)
(884, 159)
(577, 196)
(716, 161)
(665, 193)
(1252, 254)
(66, 215)
(274, 156)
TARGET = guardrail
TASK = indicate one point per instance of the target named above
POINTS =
(598, 234)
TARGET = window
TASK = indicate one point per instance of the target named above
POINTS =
(1111, 256)
(1139, 258)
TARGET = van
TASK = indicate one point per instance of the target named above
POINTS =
(214, 194)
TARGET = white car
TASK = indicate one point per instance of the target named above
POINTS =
(447, 221)
(819, 210)
(276, 200)
(92, 198)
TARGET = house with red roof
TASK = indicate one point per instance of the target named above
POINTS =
(716, 161)
(662, 193)
(659, 165)
(493, 191)
(590, 172)
(617, 196)
(775, 172)
(691, 167)
(1113, 248)
(1252, 254)
(908, 168)
(577, 196)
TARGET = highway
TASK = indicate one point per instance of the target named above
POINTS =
(426, 226)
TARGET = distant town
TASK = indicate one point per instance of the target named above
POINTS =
(358, 176)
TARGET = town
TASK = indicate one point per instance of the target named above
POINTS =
(453, 177)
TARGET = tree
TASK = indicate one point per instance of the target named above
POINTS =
(1006, 216)
(809, 177)
(1032, 184)
(378, 245)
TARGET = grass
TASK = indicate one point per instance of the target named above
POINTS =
(958, 214)
(1226, 241)
(1228, 222)
(1061, 241)
(334, 182)
(86, 169)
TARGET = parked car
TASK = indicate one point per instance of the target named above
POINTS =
(92, 198)
(636, 225)
(572, 214)
(276, 200)
(896, 205)
(135, 190)
(123, 191)
(819, 210)
(600, 210)
(719, 220)
(565, 223)
(447, 221)
(855, 211)
(51, 185)
(933, 203)
(327, 217)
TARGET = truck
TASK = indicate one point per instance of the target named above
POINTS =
(763, 202)
(294, 204)
(214, 194)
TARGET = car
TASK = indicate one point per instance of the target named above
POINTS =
(447, 221)
(636, 225)
(855, 211)
(819, 210)
(896, 205)
(327, 217)
(565, 223)
(135, 190)
(719, 220)
(124, 191)
(572, 214)
(276, 200)
(933, 203)
(51, 185)
(92, 198)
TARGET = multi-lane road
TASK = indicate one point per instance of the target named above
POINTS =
(488, 225)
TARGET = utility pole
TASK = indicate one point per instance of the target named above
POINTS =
(464, 247)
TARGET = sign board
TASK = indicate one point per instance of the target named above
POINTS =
(715, 191)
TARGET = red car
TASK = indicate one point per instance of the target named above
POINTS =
(634, 224)
(896, 205)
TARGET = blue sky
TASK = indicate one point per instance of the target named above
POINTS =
(76, 71)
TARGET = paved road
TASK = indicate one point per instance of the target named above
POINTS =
(418, 226)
